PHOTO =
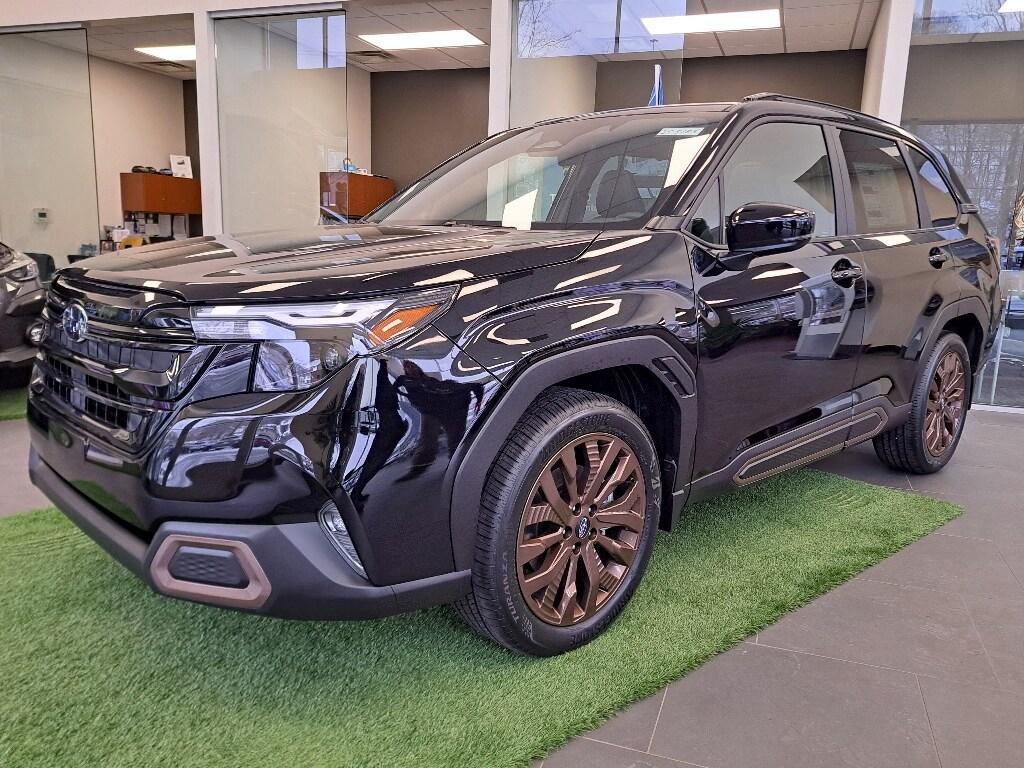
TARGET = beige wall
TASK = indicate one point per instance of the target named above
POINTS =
(359, 125)
(833, 76)
(139, 119)
(980, 82)
(628, 83)
(422, 118)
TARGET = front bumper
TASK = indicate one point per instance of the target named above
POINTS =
(292, 571)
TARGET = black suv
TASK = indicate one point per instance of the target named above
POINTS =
(495, 389)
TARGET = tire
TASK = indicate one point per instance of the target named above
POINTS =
(909, 447)
(523, 538)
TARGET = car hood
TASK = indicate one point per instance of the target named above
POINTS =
(330, 261)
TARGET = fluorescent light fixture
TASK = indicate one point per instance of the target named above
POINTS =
(404, 41)
(716, 22)
(1012, 6)
(171, 52)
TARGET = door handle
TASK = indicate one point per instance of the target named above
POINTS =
(937, 257)
(845, 273)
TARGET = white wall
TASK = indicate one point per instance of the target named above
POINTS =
(46, 145)
(552, 87)
(359, 110)
(139, 119)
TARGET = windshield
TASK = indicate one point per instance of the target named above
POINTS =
(594, 173)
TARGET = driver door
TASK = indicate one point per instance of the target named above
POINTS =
(779, 335)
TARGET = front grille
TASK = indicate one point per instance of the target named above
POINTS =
(117, 382)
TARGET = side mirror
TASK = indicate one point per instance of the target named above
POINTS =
(763, 229)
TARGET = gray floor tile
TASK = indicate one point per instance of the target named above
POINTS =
(982, 484)
(906, 628)
(1013, 554)
(757, 707)
(999, 518)
(989, 445)
(996, 418)
(1000, 625)
(633, 727)
(975, 728)
(584, 753)
(19, 495)
(951, 563)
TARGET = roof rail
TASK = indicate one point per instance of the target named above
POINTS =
(770, 96)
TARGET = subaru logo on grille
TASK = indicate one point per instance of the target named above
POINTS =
(75, 321)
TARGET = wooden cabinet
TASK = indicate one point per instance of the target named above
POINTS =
(156, 193)
(354, 195)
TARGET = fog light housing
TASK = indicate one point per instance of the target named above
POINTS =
(36, 333)
(333, 525)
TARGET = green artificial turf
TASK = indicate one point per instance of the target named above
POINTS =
(98, 671)
(12, 404)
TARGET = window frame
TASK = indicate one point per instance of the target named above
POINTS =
(843, 204)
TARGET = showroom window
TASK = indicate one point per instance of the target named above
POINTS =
(783, 163)
(942, 206)
(883, 193)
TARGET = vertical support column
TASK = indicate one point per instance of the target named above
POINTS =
(501, 66)
(209, 130)
(885, 73)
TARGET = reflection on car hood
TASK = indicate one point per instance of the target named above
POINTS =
(330, 260)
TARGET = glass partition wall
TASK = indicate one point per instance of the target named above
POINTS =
(965, 95)
(281, 97)
(47, 163)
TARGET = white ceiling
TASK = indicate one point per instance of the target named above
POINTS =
(808, 25)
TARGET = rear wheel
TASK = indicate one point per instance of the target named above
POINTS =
(566, 526)
(928, 439)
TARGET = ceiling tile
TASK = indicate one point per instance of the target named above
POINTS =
(370, 26)
(399, 9)
(861, 38)
(460, 5)
(730, 6)
(474, 19)
(808, 46)
(701, 53)
(769, 38)
(832, 37)
(754, 50)
(815, 3)
(421, 22)
(820, 16)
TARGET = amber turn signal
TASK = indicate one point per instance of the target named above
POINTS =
(400, 321)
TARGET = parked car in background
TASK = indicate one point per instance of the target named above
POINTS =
(21, 302)
(496, 388)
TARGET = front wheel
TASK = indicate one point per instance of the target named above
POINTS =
(567, 522)
(928, 439)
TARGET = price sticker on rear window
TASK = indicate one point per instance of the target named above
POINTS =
(692, 130)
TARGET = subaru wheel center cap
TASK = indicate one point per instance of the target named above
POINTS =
(583, 527)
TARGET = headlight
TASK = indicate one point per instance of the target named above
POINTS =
(303, 344)
(23, 271)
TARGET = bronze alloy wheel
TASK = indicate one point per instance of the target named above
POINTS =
(580, 533)
(946, 395)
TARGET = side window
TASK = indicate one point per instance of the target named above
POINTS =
(883, 194)
(706, 223)
(942, 206)
(783, 163)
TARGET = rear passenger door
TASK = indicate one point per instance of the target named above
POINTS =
(909, 273)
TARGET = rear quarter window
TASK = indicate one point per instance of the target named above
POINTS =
(883, 192)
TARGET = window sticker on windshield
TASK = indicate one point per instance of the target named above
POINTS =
(692, 130)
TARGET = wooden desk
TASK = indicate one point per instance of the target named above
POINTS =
(354, 195)
(156, 193)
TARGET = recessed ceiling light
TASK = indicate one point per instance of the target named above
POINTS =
(716, 22)
(1012, 6)
(171, 52)
(404, 41)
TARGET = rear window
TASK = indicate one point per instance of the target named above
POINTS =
(883, 193)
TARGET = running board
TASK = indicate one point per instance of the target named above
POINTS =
(812, 447)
